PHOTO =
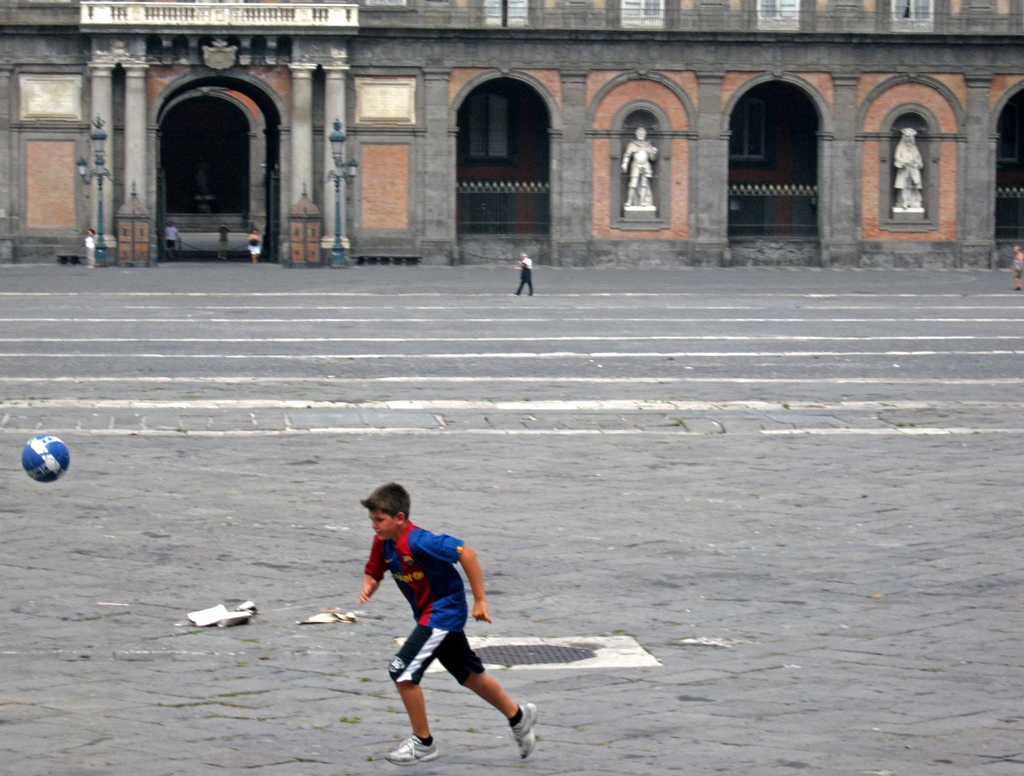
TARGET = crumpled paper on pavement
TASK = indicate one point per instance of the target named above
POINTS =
(220, 616)
(329, 615)
(707, 641)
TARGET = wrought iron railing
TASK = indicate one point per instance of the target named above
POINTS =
(504, 207)
(773, 210)
(1009, 212)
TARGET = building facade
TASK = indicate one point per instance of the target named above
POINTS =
(861, 133)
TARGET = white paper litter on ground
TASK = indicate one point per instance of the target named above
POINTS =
(220, 616)
(327, 616)
(707, 641)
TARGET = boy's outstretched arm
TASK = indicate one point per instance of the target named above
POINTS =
(475, 575)
(370, 586)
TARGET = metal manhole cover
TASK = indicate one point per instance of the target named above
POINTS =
(518, 655)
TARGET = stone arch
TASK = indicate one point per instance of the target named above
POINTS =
(665, 99)
(886, 108)
(551, 102)
(1006, 96)
(929, 93)
(774, 124)
(265, 163)
(1006, 124)
(503, 161)
(813, 93)
(605, 105)
(196, 79)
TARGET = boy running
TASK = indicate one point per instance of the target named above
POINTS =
(422, 564)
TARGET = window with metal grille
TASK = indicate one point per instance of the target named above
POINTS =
(505, 13)
(778, 9)
(643, 13)
(912, 14)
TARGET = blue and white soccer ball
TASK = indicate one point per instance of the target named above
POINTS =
(45, 458)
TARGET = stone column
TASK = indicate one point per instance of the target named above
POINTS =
(711, 175)
(571, 209)
(977, 166)
(6, 171)
(102, 105)
(839, 179)
(334, 108)
(435, 187)
(135, 158)
(302, 133)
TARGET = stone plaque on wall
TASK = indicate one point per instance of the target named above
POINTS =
(51, 97)
(386, 101)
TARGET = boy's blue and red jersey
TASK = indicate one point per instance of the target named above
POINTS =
(422, 564)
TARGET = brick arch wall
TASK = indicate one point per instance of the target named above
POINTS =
(909, 93)
(610, 104)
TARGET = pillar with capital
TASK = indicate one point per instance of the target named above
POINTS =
(302, 131)
(135, 129)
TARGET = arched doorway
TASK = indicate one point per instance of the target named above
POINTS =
(1010, 171)
(218, 168)
(773, 164)
(503, 170)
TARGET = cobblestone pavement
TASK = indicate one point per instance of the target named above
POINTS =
(816, 471)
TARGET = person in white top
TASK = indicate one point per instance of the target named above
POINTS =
(90, 248)
(171, 239)
(525, 273)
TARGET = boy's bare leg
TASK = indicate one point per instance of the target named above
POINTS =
(487, 687)
(415, 707)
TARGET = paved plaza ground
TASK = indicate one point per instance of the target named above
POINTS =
(798, 490)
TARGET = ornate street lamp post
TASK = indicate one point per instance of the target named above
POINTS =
(339, 174)
(99, 172)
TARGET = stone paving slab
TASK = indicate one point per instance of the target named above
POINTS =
(867, 575)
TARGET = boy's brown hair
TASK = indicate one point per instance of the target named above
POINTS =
(390, 499)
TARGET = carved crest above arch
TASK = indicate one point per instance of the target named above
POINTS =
(219, 55)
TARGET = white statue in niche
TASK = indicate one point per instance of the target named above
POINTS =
(637, 161)
(908, 163)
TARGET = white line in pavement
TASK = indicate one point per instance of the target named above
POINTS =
(957, 431)
(330, 379)
(587, 338)
(582, 405)
(526, 355)
(194, 320)
(445, 431)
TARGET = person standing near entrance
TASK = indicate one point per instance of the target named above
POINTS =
(90, 249)
(1018, 266)
(222, 242)
(171, 238)
(254, 245)
(525, 273)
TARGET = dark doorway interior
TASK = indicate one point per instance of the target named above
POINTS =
(773, 163)
(219, 152)
(1010, 171)
(504, 161)
(204, 152)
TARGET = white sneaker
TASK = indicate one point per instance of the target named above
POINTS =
(412, 751)
(523, 732)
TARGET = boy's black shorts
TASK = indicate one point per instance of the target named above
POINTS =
(424, 644)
